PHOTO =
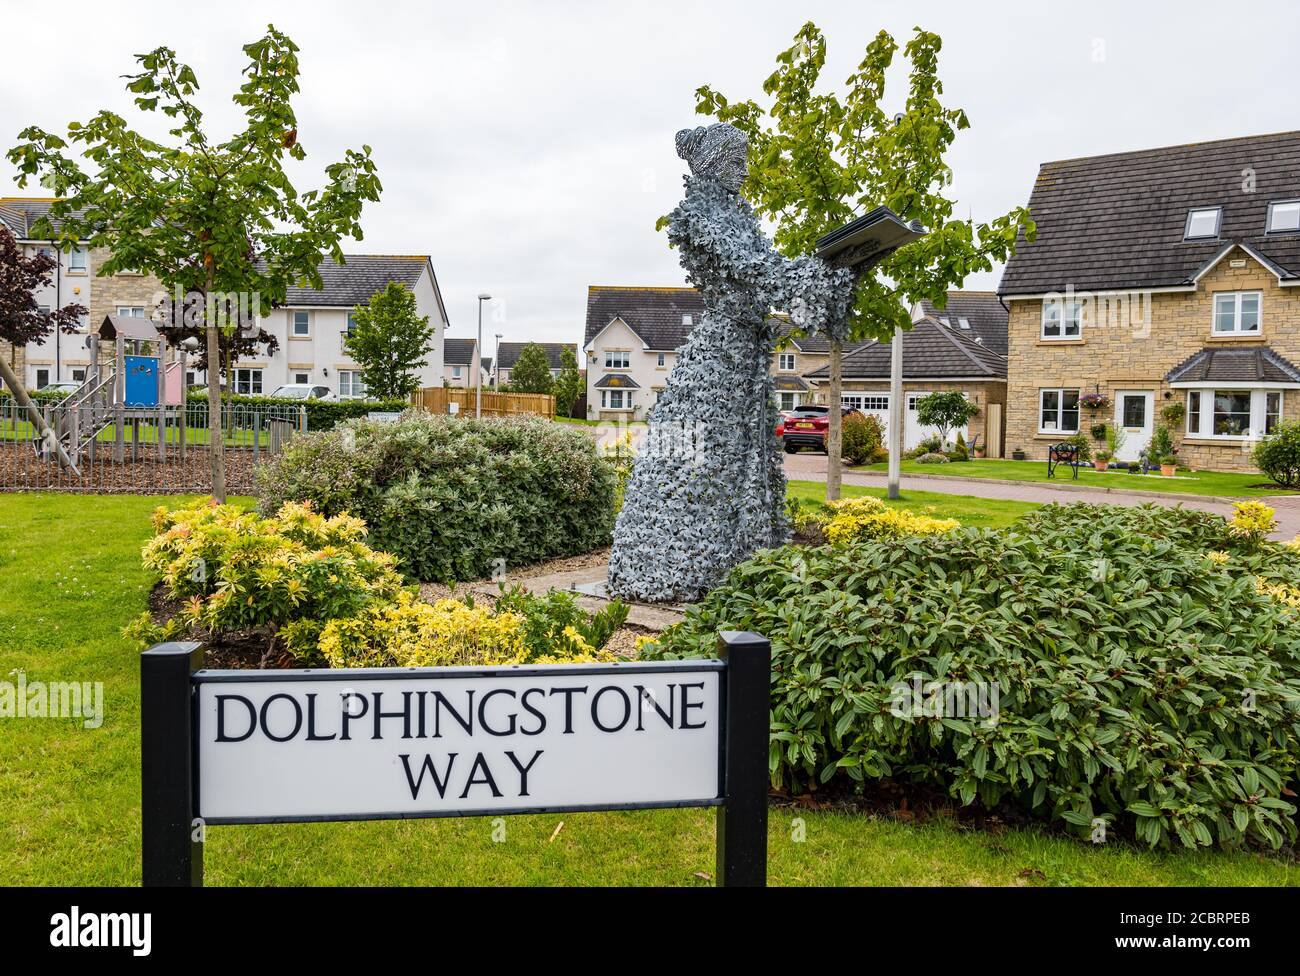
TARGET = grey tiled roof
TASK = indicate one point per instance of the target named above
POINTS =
(1258, 364)
(789, 384)
(457, 352)
(654, 314)
(19, 213)
(509, 352)
(931, 351)
(1114, 222)
(981, 309)
(617, 381)
(360, 277)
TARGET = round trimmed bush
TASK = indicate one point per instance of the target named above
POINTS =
(1146, 666)
(862, 439)
(1278, 454)
(454, 498)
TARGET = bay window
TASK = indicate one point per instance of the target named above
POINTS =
(1058, 411)
(616, 399)
(1233, 414)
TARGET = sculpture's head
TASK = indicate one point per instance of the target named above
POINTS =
(715, 152)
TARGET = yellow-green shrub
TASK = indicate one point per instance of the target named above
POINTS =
(863, 518)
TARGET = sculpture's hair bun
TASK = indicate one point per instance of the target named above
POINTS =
(688, 140)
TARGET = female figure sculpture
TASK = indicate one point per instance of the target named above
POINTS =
(707, 488)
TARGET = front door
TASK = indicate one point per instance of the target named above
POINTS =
(1134, 411)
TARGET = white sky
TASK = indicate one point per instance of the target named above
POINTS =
(529, 147)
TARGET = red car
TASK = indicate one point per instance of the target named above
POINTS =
(805, 427)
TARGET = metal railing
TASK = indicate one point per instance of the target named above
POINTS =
(146, 451)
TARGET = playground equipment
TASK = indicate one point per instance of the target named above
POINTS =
(136, 386)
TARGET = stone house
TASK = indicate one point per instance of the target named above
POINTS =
(1166, 281)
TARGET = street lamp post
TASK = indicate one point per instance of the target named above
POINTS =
(478, 351)
(496, 358)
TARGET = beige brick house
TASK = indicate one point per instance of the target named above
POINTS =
(1168, 281)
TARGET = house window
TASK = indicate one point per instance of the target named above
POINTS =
(352, 321)
(687, 320)
(1233, 413)
(786, 362)
(302, 378)
(1062, 320)
(455, 372)
(78, 376)
(864, 401)
(350, 385)
(789, 401)
(301, 323)
(1284, 216)
(617, 359)
(77, 259)
(131, 311)
(1236, 312)
(1058, 411)
(662, 361)
(42, 378)
(248, 382)
(616, 399)
(191, 378)
(1202, 223)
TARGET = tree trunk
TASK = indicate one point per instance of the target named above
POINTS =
(835, 422)
(15, 386)
(216, 443)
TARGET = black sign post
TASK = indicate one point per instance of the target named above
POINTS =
(172, 841)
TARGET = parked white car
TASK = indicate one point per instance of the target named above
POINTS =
(303, 391)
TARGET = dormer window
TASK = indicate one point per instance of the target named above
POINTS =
(1202, 224)
(687, 320)
(963, 323)
(1284, 217)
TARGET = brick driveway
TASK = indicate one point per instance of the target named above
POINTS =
(812, 467)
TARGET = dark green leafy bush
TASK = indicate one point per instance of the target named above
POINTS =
(1278, 455)
(454, 498)
(1144, 675)
(862, 439)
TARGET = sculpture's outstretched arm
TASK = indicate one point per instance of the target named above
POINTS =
(815, 295)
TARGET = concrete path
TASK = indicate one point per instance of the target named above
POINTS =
(812, 467)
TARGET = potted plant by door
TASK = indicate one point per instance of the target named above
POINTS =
(1017, 454)
(1168, 465)
(1101, 460)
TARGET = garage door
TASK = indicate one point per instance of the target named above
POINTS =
(876, 404)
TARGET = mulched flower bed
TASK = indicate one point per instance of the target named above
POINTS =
(22, 470)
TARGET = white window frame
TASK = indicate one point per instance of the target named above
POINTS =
(82, 377)
(786, 362)
(1259, 412)
(248, 381)
(301, 378)
(623, 361)
(455, 372)
(1270, 229)
(350, 385)
(1060, 392)
(616, 399)
(865, 401)
(78, 260)
(1238, 297)
(131, 311)
(1069, 314)
(1192, 214)
(45, 371)
(662, 361)
(306, 323)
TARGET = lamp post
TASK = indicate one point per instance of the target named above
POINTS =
(496, 357)
(478, 351)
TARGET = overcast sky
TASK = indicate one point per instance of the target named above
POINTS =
(529, 148)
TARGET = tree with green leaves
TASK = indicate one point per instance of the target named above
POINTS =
(219, 224)
(389, 340)
(817, 161)
(945, 409)
(532, 372)
(568, 385)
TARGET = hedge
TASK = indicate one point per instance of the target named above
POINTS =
(321, 414)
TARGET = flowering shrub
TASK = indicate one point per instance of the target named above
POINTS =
(1139, 683)
(932, 457)
(454, 498)
(1252, 522)
(862, 518)
(236, 569)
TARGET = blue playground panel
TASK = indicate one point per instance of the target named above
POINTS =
(141, 381)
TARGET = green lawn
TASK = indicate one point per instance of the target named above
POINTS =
(1187, 482)
(991, 513)
(70, 803)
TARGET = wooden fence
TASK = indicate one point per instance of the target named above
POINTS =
(438, 399)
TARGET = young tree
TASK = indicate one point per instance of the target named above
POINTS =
(218, 223)
(390, 342)
(817, 161)
(23, 321)
(945, 409)
(532, 373)
(568, 385)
